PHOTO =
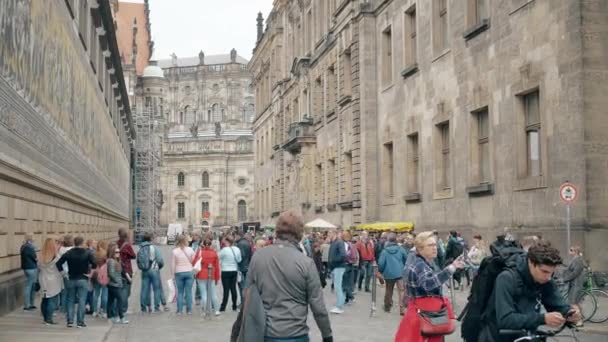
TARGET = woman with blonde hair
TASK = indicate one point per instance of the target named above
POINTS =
(51, 281)
(181, 268)
(425, 289)
(100, 281)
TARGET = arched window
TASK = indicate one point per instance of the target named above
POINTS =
(205, 179)
(181, 179)
(216, 113)
(242, 211)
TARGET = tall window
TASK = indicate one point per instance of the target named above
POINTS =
(216, 112)
(347, 178)
(319, 181)
(483, 142)
(444, 134)
(414, 161)
(242, 210)
(387, 56)
(332, 188)
(533, 146)
(181, 179)
(83, 19)
(181, 118)
(347, 76)
(410, 36)
(181, 210)
(331, 89)
(388, 170)
(476, 11)
(205, 179)
(441, 26)
(204, 207)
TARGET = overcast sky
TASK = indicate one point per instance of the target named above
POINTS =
(214, 26)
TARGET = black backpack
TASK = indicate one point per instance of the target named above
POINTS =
(473, 313)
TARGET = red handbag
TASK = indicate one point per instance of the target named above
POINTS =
(435, 323)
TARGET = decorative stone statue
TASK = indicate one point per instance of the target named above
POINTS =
(194, 130)
(201, 58)
(174, 59)
(218, 129)
(233, 56)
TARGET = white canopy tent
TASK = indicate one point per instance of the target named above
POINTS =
(320, 224)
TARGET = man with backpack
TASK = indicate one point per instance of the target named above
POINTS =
(523, 286)
(150, 262)
(391, 265)
(454, 249)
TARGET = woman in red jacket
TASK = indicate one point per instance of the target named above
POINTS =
(205, 283)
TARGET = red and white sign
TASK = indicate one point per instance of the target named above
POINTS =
(568, 193)
(206, 214)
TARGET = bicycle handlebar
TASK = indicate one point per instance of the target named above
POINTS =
(537, 332)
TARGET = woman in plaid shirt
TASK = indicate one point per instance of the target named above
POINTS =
(424, 285)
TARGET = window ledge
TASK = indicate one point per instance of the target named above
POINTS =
(346, 205)
(410, 70)
(306, 205)
(476, 29)
(331, 113)
(318, 208)
(331, 207)
(344, 100)
(530, 183)
(482, 189)
(443, 53)
(387, 87)
(276, 147)
(275, 214)
(412, 197)
(444, 194)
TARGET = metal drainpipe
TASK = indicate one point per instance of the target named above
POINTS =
(226, 192)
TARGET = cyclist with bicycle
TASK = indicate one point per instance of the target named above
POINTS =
(520, 293)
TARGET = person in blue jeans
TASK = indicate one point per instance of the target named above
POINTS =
(181, 267)
(29, 265)
(150, 273)
(79, 260)
(337, 263)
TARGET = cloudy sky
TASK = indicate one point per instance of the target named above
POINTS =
(214, 26)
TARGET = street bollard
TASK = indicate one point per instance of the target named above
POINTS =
(374, 285)
(208, 308)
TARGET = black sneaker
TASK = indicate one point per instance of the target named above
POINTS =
(81, 325)
(33, 307)
(50, 322)
(70, 325)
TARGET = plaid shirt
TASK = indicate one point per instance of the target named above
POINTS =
(423, 280)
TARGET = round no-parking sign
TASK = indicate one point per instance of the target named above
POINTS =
(568, 193)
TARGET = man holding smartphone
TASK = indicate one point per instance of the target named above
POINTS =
(520, 293)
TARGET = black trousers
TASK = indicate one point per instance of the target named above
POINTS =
(229, 279)
(115, 294)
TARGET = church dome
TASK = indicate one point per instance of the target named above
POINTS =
(153, 70)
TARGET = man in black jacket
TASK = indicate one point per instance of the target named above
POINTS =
(244, 245)
(520, 292)
(80, 261)
(29, 265)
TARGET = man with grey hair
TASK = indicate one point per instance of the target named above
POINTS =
(29, 265)
(287, 283)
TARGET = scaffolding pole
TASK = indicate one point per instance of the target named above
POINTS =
(147, 198)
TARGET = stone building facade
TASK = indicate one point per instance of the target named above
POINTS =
(464, 115)
(207, 157)
(65, 129)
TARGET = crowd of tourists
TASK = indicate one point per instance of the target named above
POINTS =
(283, 275)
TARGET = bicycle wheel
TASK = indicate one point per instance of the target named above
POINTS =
(601, 313)
(588, 304)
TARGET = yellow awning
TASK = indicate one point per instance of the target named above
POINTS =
(387, 226)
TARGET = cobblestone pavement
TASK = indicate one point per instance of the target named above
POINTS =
(354, 325)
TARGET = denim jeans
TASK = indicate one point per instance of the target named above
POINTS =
(202, 286)
(126, 293)
(100, 290)
(77, 289)
(365, 271)
(242, 285)
(337, 274)
(150, 281)
(29, 293)
(304, 338)
(48, 307)
(183, 281)
(349, 282)
(64, 296)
